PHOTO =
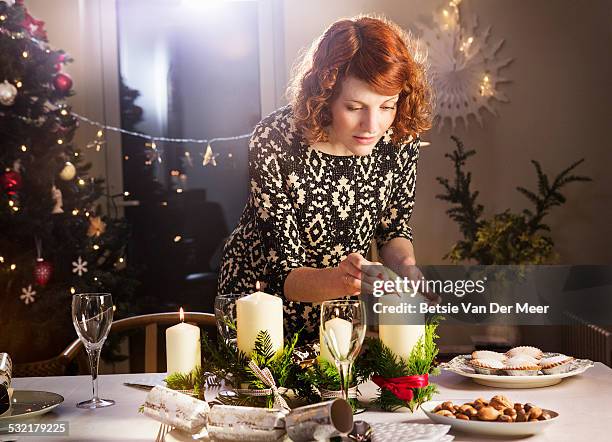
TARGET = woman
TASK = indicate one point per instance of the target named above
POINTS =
(332, 171)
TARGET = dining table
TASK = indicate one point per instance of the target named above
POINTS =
(584, 404)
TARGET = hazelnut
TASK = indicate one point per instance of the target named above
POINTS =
(545, 416)
(479, 405)
(510, 412)
(445, 413)
(448, 405)
(462, 417)
(468, 410)
(533, 420)
(535, 412)
(500, 402)
(504, 418)
(438, 408)
(518, 406)
(521, 416)
(528, 406)
(488, 414)
(456, 408)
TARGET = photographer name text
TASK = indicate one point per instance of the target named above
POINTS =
(491, 308)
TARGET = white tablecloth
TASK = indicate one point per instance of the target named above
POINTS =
(584, 403)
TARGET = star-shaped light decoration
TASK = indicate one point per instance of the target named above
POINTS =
(79, 266)
(96, 226)
(209, 157)
(28, 295)
(464, 66)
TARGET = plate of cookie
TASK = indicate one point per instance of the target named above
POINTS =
(519, 367)
(498, 416)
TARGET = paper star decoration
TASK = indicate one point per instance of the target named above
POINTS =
(79, 266)
(209, 157)
(96, 226)
(464, 66)
(28, 295)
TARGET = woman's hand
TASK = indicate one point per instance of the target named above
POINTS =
(354, 276)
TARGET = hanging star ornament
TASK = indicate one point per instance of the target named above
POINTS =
(209, 157)
(96, 226)
(464, 66)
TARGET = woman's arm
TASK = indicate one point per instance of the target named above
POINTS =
(307, 284)
(398, 255)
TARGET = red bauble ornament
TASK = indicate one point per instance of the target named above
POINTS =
(11, 182)
(62, 82)
(42, 272)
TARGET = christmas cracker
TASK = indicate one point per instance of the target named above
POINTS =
(176, 409)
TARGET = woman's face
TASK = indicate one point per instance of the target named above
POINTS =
(360, 117)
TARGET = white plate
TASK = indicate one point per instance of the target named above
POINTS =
(460, 366)
(489, 428)
(26, 404)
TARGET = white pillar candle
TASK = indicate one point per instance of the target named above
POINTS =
(393, 332)
(339, 330)
(257, 312)
(183, 352)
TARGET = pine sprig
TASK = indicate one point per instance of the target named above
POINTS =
(378, 359)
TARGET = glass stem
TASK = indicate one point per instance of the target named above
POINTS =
(94, 360)
(344, 370)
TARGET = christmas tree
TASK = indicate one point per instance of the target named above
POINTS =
(54, 239)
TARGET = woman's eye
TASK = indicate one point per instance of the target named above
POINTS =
(354, 108)
(388, 107)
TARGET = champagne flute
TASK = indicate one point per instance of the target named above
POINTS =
(343, 327)
(92, 316)
(225, 314)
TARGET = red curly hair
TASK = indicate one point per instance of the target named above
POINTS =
(374, 50)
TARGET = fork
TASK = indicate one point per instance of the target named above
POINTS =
(163, 430)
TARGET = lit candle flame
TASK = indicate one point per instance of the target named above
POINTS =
(182, 315)
(257, 286)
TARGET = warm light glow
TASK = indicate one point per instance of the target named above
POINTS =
(24, 148)
(11, 203)
(126, 193)
(16, 209)
(25, 54)
(64, 112)
(257, 286)
(76, 154)
(81, 182)
(96, 246)
(174, 172)
(19, 84)
(87, 214)
(99, 134)
(13, 266)
(177, 238)
(230, 155)
(95, 278)
(179, 190)
(182, 314)
(164, 203)
(114, 308)
(75, 212)
(60, 141)
(72, 290)
(121, 259)
(2, 17)
(98, 147)
(2, 259)
(126, 157)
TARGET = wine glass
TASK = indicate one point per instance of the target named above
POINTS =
(343, 327)
(92, 316)
(225, 314)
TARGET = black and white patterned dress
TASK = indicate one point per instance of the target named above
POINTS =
(307, 208)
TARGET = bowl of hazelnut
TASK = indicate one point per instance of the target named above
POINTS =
(490, 416)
